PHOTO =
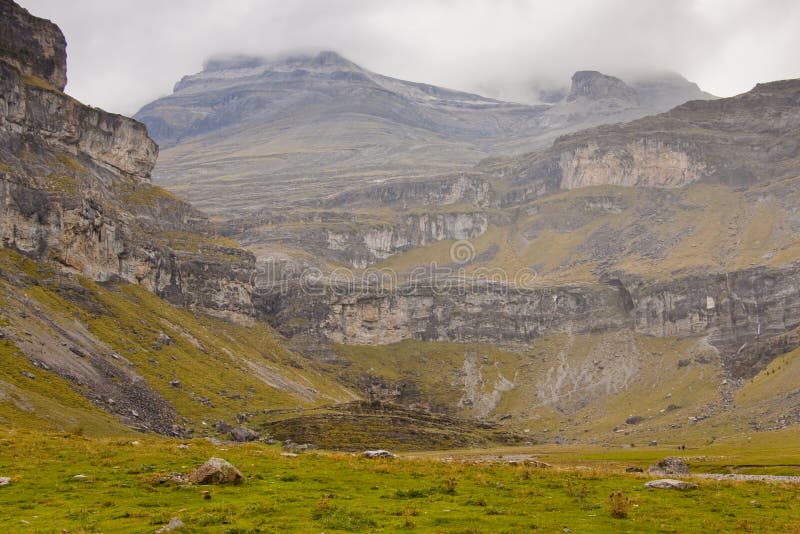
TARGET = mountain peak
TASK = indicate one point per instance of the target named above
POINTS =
(322, 59)
(594, 85)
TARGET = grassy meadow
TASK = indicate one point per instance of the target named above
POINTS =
(583, 490)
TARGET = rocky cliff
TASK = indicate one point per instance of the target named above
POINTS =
(593, 85)
(75, 185)
(34, 46)
(737, 312)
(739, 141)
(88, 246)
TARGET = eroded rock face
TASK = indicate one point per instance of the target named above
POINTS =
(594, 85)
(736, 310)
(368, 245)
(75, 185)
(34, 46)
(739, 141)
(441, 191)
(639, 163)
(63, 123)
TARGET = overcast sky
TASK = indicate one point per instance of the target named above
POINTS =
(125, 53)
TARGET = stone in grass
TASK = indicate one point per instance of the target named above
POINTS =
(242, 433)
(670, 483)
(174, 524)
(669, 466)
(378, 453)
(216, 471)
(5, 481)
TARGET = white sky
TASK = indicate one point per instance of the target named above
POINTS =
(125, 53)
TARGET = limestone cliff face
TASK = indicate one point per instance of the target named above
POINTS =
(483, 313)
(367, 245)
(29, 108)
(595, 85)
(738, 311)
(75, 193)
(442, 191)
(738, 141)
(75, 185)
(344, 238)
(741, 314)
(35, 46)
(645, 162)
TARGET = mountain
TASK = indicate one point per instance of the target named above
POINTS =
(620, 284)
(121, 308)
(582, 264)
(300, 128)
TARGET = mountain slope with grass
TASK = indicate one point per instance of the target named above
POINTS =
(617, 313)
(122, 308)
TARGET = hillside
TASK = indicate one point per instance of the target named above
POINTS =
(550, 308)
(538, 338)
(95, 261)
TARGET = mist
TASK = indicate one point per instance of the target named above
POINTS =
(123, 54)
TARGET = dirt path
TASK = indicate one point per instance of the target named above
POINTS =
(763, 478)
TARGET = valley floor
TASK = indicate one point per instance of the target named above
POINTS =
(121, 488)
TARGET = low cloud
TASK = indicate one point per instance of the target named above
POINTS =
(123, 54)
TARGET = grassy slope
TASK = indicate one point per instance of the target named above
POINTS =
(577, 387)
(653, 233)
(224, 368)
(584, 387)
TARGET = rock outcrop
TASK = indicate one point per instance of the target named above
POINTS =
(357, 243)
(75, 185)
(738, 141)
(732, 310)
(593, 85)
(34, 46)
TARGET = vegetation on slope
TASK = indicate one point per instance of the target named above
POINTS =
(209, 369)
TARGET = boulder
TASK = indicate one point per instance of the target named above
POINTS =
(291, 446)
(164, 339)
(174, 524)
(242, 433)
(669, 466)
(222, 426)
(378, 453)
(5, 481)
(216, 471)
(670, 483)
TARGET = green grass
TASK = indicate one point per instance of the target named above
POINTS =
(38, 82)
(71, 163)
(579, 387)
(147, 196)
(332, 492)
(224, 368)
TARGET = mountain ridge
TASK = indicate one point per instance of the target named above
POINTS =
(124, 309)
(324, 116)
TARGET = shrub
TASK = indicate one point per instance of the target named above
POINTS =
(619, 505)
